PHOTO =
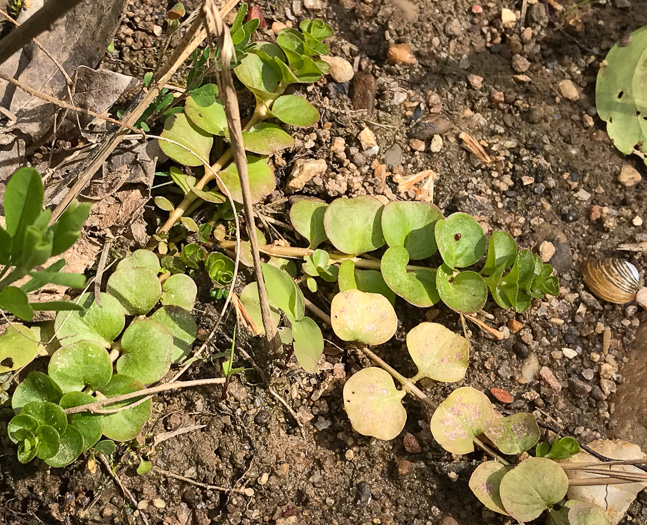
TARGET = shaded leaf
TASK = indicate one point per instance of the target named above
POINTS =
(514, 434)
(180, 323)
(124, 425)
(306, 216)
(71, 446)
(485, 482)
(417, 287)
(89, 425)
(261, 179)
(308, 343)
(351, 278)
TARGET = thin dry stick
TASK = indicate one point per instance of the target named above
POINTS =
(588, 482)
(42, 20)
(492, 331)
(594, 464)
(123, 488)
(218, 30)
(247, 491)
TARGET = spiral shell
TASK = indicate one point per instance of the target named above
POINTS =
(613, 280)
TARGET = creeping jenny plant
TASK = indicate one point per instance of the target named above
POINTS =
(104, 352)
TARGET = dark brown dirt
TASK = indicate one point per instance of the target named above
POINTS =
(546, 150)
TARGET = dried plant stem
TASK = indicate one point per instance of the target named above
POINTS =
(492, 331)
(247, 492)
(123, 488)
(588, 482)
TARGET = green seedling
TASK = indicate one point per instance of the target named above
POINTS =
(562, 448)
(317, 265)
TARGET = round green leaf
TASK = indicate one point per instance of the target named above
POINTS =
(261, 179)
(259, 76)
(124, 425)
(19, 423)
(89, 425)
(374, 405)
(220, 268)
(411, 225)
(350, 278)
(308, 343)
(79, 365)
(140, 259)
(587, 514)
(205, 94)
(485, 482)
(502, 251)
(70, 448)
(179, 290)
(180, 323)
(266, 138)
(181, 130)
(46, 413)
(355, 225)
(284, 293)
(137, 289)
(36, 387)
(19, 346)
(417, 287)
(514, 434)
(306, 216)
(361, 316)
(99, 324)
(464, 292)
(49, 441)
(296, 111)
(105, 446)
(439, 353)
(212, 118)
(533, 486)
(146, 348)
(461, 240)
(250, 301)
(461, 417)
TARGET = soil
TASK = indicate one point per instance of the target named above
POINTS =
(554, 179)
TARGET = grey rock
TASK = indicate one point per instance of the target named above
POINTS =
(427, 127)
(393, 155)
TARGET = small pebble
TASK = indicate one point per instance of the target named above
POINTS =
(363, 92)
(549, 378)
(411, 444)
(514, 325)
(546, 251)
(520, 64)
(637, 221)
(262, 479)
(508, 18)
(498, 97)
(417, 144)
(314, 5)
(436, 144)
(475, 81)
(349, 455)
(502, 395)
(367, 139)
(629, 176)
(404, 466)
(278, 27)
(641, 297)
(400, 54)
(159, 503)
(340, 70)
(569, 90)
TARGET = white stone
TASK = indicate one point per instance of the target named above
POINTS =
(436, 144)
(569, 90)
(314, 5)
(641, 297)
(508, 18)
(367, 139)
(546, 251)
(304, 171)
(583, 195)
(340, 70)
(629, 176)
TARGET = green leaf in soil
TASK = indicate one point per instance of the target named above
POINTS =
(306, 216)
(181, 130)
(49, 441)
(465, 292)
(620, 95)
(317, 28)
(15, 300)
(411, 225)
(295, 111)
(354, 226)
(23, 201)
(561, 448)
(205, 95)
(19, 423)
(124, 425)
(146, 350)
(266, 138)
(211, 118)
(261, 179)
(462, 416)
(140, 259)
(220, 268)
(439, 353)
(250, 301)
(70, 448)
(144, 467)
(514, 434)
(417, 287)
(180, 323)
(502, 251)
(485, 482)
(364, 317)
(284, 292)
(99, 324)
(460, 239)
(351, 278)
(179, 290)
(583, 513)
(308, 343)
(105, 446)
(19, 346)
(260, 76)
(47, 413)
(27, 447)
(137, 289)
(89, 425)
(532, 487)
(67, 229)
(36, 387)
(374, 404)
(79, 365)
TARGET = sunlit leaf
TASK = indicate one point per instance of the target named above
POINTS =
(464, 292)
(365, 317)
(355, 225)
(181, 130)
(411, 225)
(146, 350)
(485, 482)
(137, 289)
(417, 287)
(296, 111)
(514, 434)
(460, 239)
(439, 353)
(261, 179)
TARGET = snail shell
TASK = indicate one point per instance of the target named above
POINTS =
(613, 280)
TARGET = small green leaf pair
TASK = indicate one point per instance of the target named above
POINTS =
(317, 265)
(562, 448)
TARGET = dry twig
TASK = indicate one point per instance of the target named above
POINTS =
(246, 491)
(123, 488)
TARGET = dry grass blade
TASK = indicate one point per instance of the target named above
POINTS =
(472, 145)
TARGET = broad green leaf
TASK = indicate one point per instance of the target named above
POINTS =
(179, 290)
(181, 130)
(251, 303)
(502, 251)
(266, 138)
(514, 434)
(259, 76)
(146, 351)
(36, 387)
(559, 517)
(210, 118)
(261, 179)
(16, 301)
(462, 416)
(354, 226)
(417, 287)
(144, 467)
(47, 413)
(19, 346)
(308, 343)
(6, 247)
(184, 182)
(464, 292)
(37, 248)
(137, 289)
(411, 225)
(49, 441)
(532, 487)
(374, 405)
(295, 111)
(89, 425)
(164, 204)
(79, 365)
(439, 353)
(351, 278)
(21, 422)
(562, 448)
(317, 28)
(70, 448)
(67, 229)
(140, 259)
(485, 482)
(306, 216)
(71, 280)
(23, 201)
(284, 292)
(180, 323)
(124, 425)
(105, 446)
(220, 268)
(99, 324)
(205, 95)
(587, 514)
(365, 317)
(460, 239)
(189, 224)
